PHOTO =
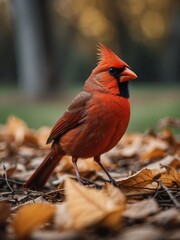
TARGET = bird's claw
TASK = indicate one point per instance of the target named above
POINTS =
(84, 181)
(116, 184)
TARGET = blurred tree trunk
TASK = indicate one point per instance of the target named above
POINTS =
(33, 47)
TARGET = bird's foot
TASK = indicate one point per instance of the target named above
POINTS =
(84, 181)
(116, 184)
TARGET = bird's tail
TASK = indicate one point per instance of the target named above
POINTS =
(41, 175)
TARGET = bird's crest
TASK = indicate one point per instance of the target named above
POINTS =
(107, 58)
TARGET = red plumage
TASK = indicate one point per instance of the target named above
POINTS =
(95, 121)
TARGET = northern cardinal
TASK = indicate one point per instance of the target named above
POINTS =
(95, 121)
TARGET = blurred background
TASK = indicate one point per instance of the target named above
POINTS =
(48, 49)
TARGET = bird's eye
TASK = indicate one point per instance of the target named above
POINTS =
(112, 71)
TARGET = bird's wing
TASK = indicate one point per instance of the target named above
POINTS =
(73, 117)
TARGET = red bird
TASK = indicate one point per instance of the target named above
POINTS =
(95, 121)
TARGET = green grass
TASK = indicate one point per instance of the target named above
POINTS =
(148, 105)
(36, 115)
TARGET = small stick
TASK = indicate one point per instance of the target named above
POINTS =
(176, 203)
(6, 179)
(13, 181)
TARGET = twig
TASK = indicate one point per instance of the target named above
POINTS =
(17, 182)
(6, 179)
(176, 203)
(138, 194)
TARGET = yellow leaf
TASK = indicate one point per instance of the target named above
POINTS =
(90, 206)
(31, 216)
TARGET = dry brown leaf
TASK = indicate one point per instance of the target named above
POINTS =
(169, 121)
(171, 178)
(168, 216)
(42, 135)
(171, 161)
(87, 164)
(16, 129)
(141, 210)
(65, 165)
(84, 165)
(31, 216)
(147, 147)
(7, 168)
(5, 212)
(143, 232)
(30, 138)
(119, 199)
(138, 180)
(56, 235)
(175, 163)
(90, 206)
(153, 154)
(114, 193)
(35, 200)
(62, 218)
(128, 146)
(150, 143)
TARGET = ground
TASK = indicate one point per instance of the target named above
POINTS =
(145, 205)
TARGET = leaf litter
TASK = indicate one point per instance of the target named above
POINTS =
(146, 167)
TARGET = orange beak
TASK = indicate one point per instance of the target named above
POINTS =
(127, 75)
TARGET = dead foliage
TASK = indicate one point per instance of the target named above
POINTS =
(147, 202)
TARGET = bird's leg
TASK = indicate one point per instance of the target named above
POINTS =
(98, 160)
(79, 178)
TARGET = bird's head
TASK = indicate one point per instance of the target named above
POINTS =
(112, 74)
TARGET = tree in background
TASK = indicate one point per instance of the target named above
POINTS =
(56, 40)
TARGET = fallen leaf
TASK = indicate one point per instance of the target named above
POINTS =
(5, 212)
(56, 235)
(31, 216)
(34, 200)
(141, 210)
(170, 178)
(62, 218)
(114, 193)
(167, 217)
(170, 160)
(142, 232)
(87, 206)
(16, 129)
(127, 147)
(153, 154)
(87, 164)
(19, 132)
(42, 135)
(169, 121)
(138, 180)
(65, 166)
(146, 147)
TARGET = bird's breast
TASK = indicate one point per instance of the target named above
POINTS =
(106, 122)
